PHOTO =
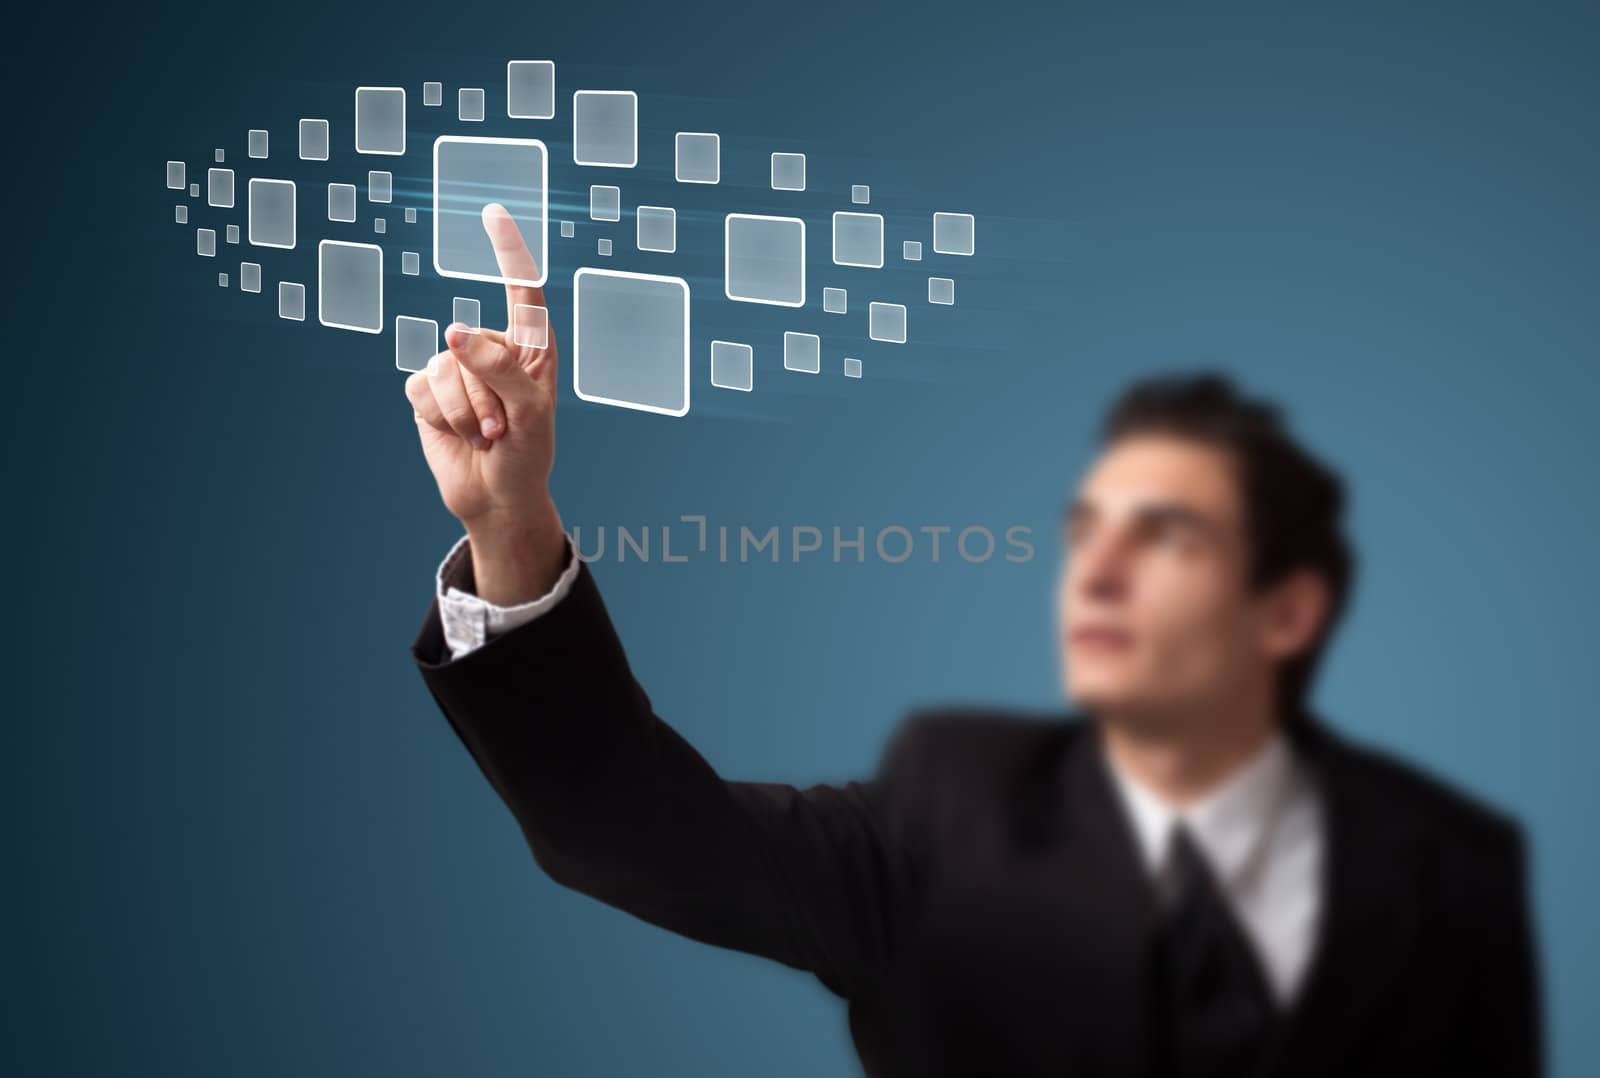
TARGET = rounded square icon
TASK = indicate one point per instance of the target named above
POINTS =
(764, 259)
(835, 301)
(468, 174)
(432, 94)
(292, 301)
(887, 322)
(341, 202)
(802, 352)
(630, 340)
(605, 128)
(219, 187)
(858, 239)
(697, 157)
(469, 104)
(416, 340)
(656, 229)
(942, 290)
(175, 175)
(381, 120)
(953, 233)
(531, 89)
(732, 365)
(788, 172)
(257, 143)
(860, 194)
(272, 213)
(350, 286)
(313, 140)
(852, 367)
(605, 203)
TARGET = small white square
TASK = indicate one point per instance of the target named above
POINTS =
(380, 187)
(180, 213)
(432, 94)
(350, 286)
(469, 104)
(953, 233)
(467, 311)
(852, 367)
(381, 120)
(764, 259)
(605, 203)
(219, 187)
(942, 290)
(219, 155)
(911, 250)
(232, 234)
(887, 322)
(194, 190)
(531, 89)
(257, 143)
(313, 140)
(603, 247)
(802, 352)
(175, 175)
(860, 194)
(379, 225)
(341, 202)
(411, 215)
(416, 341)
(605, 128)
(250, 277)
(788, 172)
(697, 157)
(656, 228)
(732, 365)
(272, 213)
(530, 326)
(858, 239)
(292, 301)
(568, 230)
(222, 280)
(410, 263)
(205, 242)
(835, 301)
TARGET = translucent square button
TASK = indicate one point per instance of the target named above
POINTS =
(697, 157)
(232, 234)
(381, 120)
(380, 187)
(911, 250)
(605, 128)
(292, 301)
(568, 230)
(410, 263)
(852, 367)
(630, 341)
(656, 228)
(176, 179)
(272, 213)
(764, 259)
(467, 311)
(858, 239)
(788, 172)
(802, 352)
(605, 203)
(530, 325)
(205, 242)
(411, 215)
(469, 104)
(341, 202)
(469, 175)
(250, 277)
(313, 140)
(432, 95)
(350, 286)
(835, 301)
(942, 290)
(953, 233)
(257, 143)
(531, 89)
(603, 246)
(860, 194)
(732, 365)
(416, 340)
(219, 187)
(887, 322)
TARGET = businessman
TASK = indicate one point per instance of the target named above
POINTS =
(1187, 873)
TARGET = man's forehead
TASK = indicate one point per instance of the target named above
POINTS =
(1158, 470)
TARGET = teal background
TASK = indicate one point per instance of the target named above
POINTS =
(242, 841)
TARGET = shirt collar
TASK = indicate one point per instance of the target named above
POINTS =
(1229, 822)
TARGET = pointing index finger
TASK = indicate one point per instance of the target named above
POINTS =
(516, 262)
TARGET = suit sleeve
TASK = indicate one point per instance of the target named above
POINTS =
(615, 804)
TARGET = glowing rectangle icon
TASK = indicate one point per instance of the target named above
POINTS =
(835, 301)
(605, 203)
(219, 187)
(411, 215)
(732, 365)
(232, 235)
(292, 301)
(410, 263)
(630, 340)
(350, 286)
(953, 233)
(205, 242)
(911, 250)
(568, 230)
(788, 172)
(860, 194)
(942, 290)
(858, 239)
(656, 228)
(250, 277)
(467, 311)
(603, 246)
(531, 89)
(605, 128)
(313, 140)
(470, 173)
(180, 213)
(802, 352)
(852, 367)
(272, 213)
(341, 202)
(380, 187)
(416, 340)
(469, 104)
(764, 259)
(530, 326)
(887, 322)
(257, 144)
(432, 95)
(697, 157)
(381, 120)
(176, 178)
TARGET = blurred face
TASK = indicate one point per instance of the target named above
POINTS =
(1154, 612)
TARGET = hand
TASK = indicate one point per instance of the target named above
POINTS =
(485, 413)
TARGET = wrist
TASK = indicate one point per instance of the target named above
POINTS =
(517, 559)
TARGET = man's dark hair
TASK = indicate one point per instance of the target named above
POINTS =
(1293, 503)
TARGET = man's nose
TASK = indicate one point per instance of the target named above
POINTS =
(1103, 569)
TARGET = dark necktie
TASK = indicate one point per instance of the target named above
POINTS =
(1213, 1006)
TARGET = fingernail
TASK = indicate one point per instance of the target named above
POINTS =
(490, 426)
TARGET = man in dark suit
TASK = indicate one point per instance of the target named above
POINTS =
(1189, 874)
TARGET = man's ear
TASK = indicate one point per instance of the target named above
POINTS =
(1293, 614)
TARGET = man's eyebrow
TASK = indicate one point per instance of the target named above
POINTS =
(1147, 513)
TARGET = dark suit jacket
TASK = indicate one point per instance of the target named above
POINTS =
(978, 901)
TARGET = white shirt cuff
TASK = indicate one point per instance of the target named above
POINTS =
(469, 621)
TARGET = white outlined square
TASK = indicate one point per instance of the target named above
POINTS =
(250, 277)
(219, 187)
(530, 326)
(953, 233)
(350, 286)
(470, 104)
(222, 280)
(342, 202)
(411, 215)
(802, 352)
(416, 340)
(292, 301)
(432, 95)
(410, 264)
(194, 190)
(764, 259)
(605, 128)
(605, 203)
(568, 230)
(858, 239)
(697, 157)
(911, 250)
(835, 301)
(732, 366)
(887, 322)
(534, 228)
(531, 89)
(656, 229)
(852, 367)
(256, 142)
(942, 290)
(220, 155)
(603, 246)
(380, 225)
(205, 242)
(467, 311)
(380, 187)
(176, 175)
(381, 120)
(272, 213)
(313, 140)
(232, 235)
(860, 194)
(607, 360)
(788, 172)
(180, 213)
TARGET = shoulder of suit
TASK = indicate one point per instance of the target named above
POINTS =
(991, 739)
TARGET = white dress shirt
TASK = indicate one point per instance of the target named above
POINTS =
(1261, 834)
(1261, 831)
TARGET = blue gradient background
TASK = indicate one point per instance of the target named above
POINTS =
(244, 842)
